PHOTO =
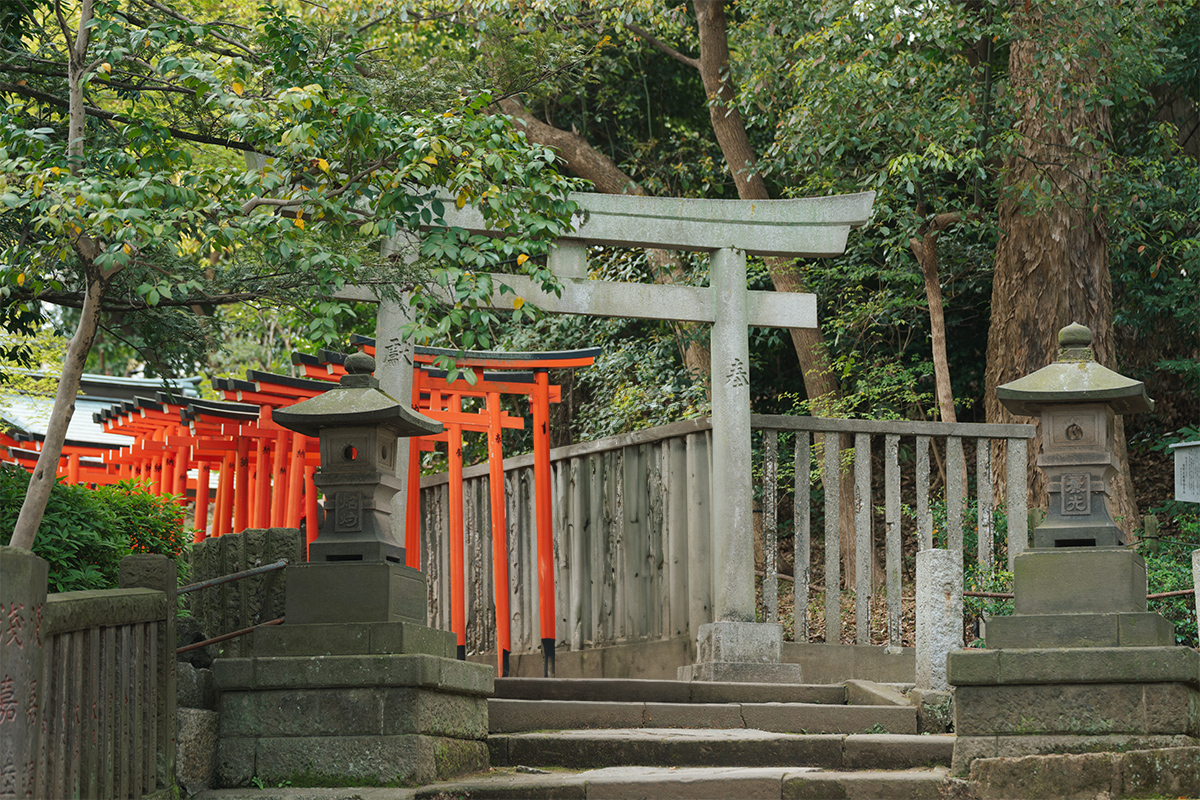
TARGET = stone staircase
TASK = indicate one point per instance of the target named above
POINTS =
(663, 739)
(590, 739)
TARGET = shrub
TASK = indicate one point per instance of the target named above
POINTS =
(86, 532)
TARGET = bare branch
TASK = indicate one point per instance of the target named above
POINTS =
(651, 40)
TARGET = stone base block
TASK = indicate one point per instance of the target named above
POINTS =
(353, 712)
(353, 638)
(1080, 630)
(968, 749)
(1079, 709)
(298, 672)
(347, 760)
(1140, 773)
(740, 651)
(1074, 665)
(196, 749)
(354, 591)
(741, 672)
(1102, 580)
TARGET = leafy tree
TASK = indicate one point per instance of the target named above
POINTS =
(156, 166)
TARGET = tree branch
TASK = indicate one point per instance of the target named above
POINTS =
(34, 94)
(651, 40)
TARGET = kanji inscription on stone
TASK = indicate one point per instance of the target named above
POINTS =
(1076, 495)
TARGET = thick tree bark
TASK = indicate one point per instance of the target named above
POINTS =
(811, 350)
(585, 161)
(1052, 262)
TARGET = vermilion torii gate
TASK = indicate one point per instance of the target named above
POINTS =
(733, 646)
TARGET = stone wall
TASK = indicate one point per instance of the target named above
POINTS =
(250, 601)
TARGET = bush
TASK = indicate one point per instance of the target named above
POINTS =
(86, 532)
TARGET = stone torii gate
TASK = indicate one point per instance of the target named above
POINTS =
(733, 646)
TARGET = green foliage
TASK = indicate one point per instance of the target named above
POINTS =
(86, 532)
(1170, 570)
(335, 163)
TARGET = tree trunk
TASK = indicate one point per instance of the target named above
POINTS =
(585, 161)
(1052, 261)
(45, 471)
(819, 383)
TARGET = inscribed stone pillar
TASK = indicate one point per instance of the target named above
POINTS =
(394, 356)
(22, 600)
(732, 515)
(939, 614)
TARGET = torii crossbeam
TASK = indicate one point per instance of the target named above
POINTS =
(729, 230)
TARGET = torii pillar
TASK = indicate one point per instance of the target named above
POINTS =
(733, 646)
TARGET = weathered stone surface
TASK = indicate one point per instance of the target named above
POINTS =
(1078, 665)
(434, 713)
(800, 718)
(507, 716)
(834, 663)
(1075, 709)
(233, 673)
(895, 751)
(910, 785)
(448, 675)
(1060, 777)
(969, 748)
(939, 614)
(686, 783)
(691, 715)
(72, 611)
(663, 747)
(369, 760)
(1172, 773)
(23, 600)
(235, 761)
(750, 672)
(869, 693)
(354, 638)
(352, 591)
(1103, 580)
(196, 749)
(194, 688)
(1080, 630)
(1138, 773)
(301, 712)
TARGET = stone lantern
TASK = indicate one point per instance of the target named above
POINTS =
(356, 569)
(1081, 664)
(1078, 401)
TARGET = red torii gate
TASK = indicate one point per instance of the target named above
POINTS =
(516, 373)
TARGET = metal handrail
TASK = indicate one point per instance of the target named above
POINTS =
(191, 587)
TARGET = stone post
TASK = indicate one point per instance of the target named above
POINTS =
(939, 614)
(22, 601)
(732, 515)
(1196, 584)
(150, 571)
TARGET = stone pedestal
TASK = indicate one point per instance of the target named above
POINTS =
(1081, 666)
(740, 651)
(354, 689)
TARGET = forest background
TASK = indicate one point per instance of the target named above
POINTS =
(1035, 163)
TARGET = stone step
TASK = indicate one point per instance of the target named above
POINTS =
(699, 783)
(634, 783)
(513, 716)
(655, 691)
(670, 747)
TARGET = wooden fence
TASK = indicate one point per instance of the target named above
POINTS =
(92, 687)
(632, 528)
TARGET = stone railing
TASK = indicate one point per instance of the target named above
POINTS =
(632, 524)
(813, 440)
(89, 698)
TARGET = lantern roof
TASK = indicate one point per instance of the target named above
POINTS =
(1074, 378)
(357, 401)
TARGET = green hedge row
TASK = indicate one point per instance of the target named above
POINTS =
(86, 532)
